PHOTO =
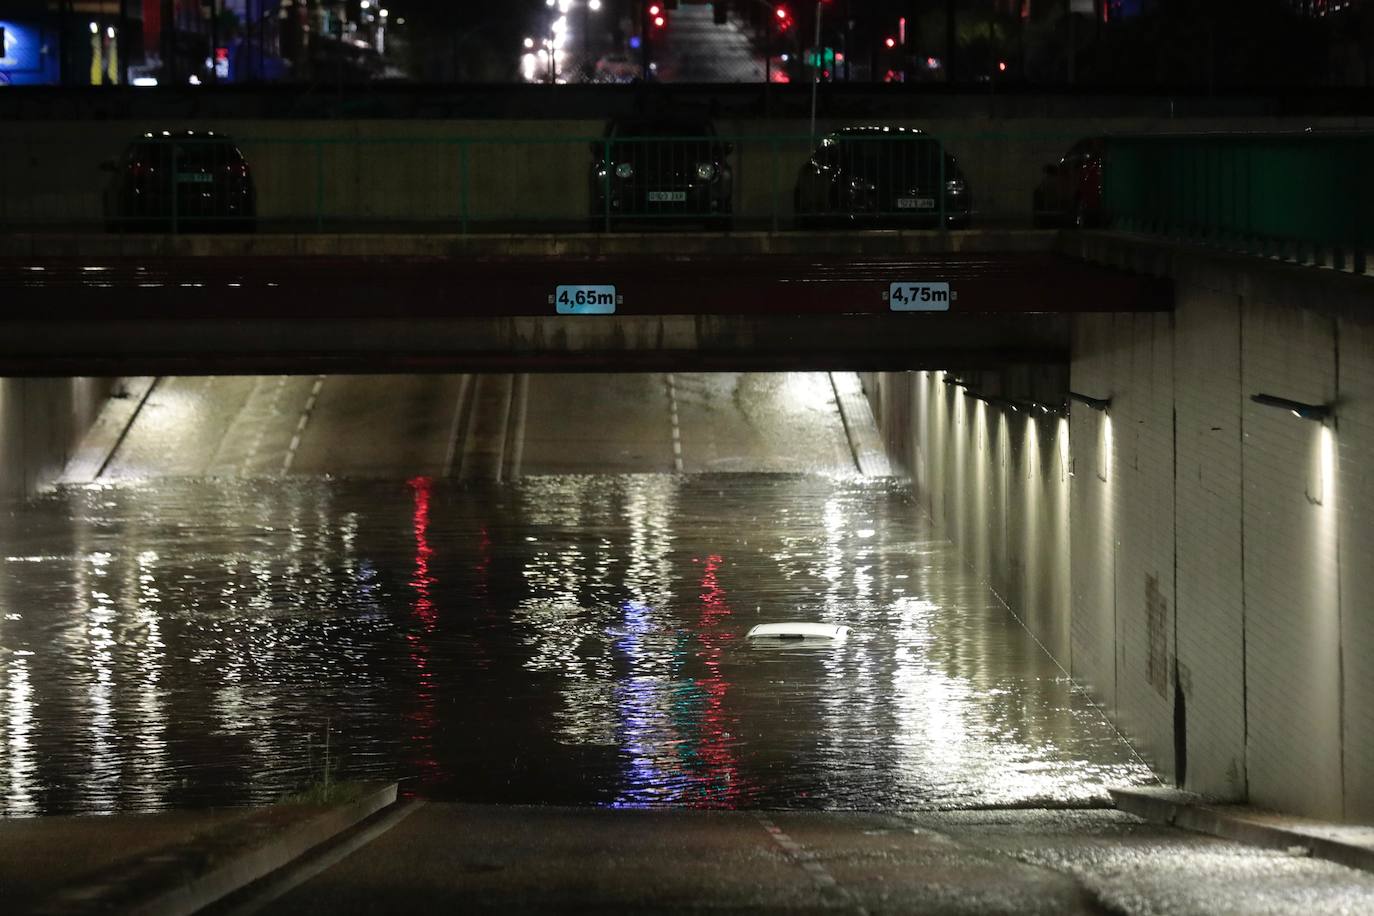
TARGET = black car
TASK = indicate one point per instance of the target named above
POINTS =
(181, 181)
(668, 170)
(882, 176)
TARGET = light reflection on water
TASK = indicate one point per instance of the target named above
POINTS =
(560, 640)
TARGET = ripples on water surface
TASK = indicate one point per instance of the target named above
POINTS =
(558, 640)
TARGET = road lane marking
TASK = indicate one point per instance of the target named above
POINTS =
(274, 409)
(824, 881)
(677, 429)
(301, 422)
(456, 431)
(516, 442)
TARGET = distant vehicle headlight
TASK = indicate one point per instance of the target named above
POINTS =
(706, 171)
(624, 170)
(954, 186)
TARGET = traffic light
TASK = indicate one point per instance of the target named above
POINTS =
(658, 18)
(783, 17)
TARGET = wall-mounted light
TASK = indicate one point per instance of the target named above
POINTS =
(1094, 403)
(1316, 412)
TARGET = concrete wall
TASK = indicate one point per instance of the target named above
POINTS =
(361, 171)
(1217, 550)
(41, 422)
(1263, 520)
(997, 483)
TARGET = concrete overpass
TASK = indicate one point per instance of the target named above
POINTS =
(477, 303)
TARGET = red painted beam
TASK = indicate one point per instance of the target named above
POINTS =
(334, 287)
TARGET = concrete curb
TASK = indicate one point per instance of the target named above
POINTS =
(181, 880)
(889, 242)
(107, 432)
(1352, 846)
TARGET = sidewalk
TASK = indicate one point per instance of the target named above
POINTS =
(1349, 845)
(167, 863)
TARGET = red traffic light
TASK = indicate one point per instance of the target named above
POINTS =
(890, 42)
(1002, 66)
(655, 9)
(658, 22)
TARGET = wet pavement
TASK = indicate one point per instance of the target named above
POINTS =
(443, 858)
(197, 630)
(526, 598)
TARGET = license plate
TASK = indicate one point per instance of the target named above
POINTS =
(915, 203)
(196, 177)
(667, 197)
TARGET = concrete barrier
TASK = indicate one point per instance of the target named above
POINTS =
(42, 421)
(189, 877)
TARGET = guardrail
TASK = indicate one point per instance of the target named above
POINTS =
(1301, 197)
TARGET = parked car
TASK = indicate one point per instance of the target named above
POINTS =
(184, 181)
(661, 170)
(893, 176)
(1070, 190)
(615, 68)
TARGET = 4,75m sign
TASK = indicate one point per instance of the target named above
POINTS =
(919, 297)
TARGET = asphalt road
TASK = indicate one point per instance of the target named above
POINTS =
(477, 859)
(487, 426)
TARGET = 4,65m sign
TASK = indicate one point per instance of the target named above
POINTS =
(585, 300)
(919, 297)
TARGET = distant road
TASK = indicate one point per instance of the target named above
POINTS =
(696, 50)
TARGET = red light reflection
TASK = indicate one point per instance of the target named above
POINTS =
(423, 611)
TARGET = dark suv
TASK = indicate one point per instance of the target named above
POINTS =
(180, 181)
(882, 176)
(673, 170)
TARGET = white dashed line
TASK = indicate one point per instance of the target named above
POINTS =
(823, 880)
(677, 430)
(301, 422)
(273, 410)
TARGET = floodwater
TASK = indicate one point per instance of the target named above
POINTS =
(563, 639)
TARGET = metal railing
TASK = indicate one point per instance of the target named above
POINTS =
(489, 182)
(1307, 197)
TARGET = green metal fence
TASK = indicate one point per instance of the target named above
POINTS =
(1301, 196)
(530, 178)
(1308, 196)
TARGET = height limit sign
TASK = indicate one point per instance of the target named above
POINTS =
(920, 297)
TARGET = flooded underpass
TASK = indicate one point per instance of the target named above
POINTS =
(200, 639)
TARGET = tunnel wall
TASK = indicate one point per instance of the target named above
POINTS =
(41, 422)
(996, 483)
(1254, 525)
(1218, 566)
